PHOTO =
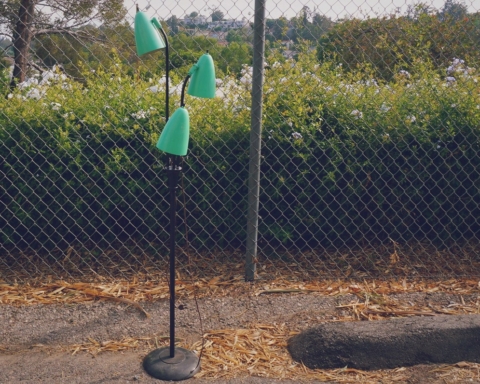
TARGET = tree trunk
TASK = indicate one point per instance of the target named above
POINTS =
(22, 39)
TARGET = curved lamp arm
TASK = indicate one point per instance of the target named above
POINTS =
(182, 99)
(167, 68)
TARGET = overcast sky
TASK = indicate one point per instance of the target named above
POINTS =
(237, 9)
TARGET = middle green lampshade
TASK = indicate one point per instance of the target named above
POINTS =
(202, 80)
(175, 135)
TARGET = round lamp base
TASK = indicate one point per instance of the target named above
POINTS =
(182, 366)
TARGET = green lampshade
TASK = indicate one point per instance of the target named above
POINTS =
(147, 36)
(175, 135)
(202, 80)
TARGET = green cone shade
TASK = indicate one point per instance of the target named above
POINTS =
(147, 36)
(175, 135)
(202, 80)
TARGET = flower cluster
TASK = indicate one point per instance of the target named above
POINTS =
(36, 86)
(246, 75)
(356, 114)
(141, 114)
(458, 67)
(296, 135)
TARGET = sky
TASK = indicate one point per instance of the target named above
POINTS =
(238, 9)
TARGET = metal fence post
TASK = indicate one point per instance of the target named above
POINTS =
(255, 139)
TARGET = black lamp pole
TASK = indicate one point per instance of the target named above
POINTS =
(173, 171)
(173, 174)
(167, 77)
(172, 363)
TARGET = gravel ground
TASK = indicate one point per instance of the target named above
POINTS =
(69, 324)
(113, 367)
(34, 339)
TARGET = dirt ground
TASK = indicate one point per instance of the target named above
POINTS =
(105, 342)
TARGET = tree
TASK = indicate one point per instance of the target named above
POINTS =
(110, 45)
(193, 15)
(185, 50)
(418, 9)
(323, 23)
(309, 25)
(239, 36)
(388, 44)
(277, 29)
(217, 15)
(29, 20)
(234, 56)
(453, 10)
(173, 23)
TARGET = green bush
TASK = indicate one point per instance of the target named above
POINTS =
(343, 159)
(80, 163)
(389, 44)
(347, 159)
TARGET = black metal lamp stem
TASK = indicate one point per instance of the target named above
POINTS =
(167, 77)
(173, 172)
(182, 98)
(172, 363)
(172, 182)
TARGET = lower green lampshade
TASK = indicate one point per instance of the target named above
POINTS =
(175, 135)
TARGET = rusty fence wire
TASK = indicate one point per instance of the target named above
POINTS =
(369, 155)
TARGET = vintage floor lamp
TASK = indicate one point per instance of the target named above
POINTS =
(173, 363)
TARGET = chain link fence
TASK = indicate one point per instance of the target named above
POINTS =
(369, 162)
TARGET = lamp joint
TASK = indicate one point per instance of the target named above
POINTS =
(174, 168)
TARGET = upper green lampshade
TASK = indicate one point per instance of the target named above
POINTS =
(147, 36)
(175, 135)
(202, 80)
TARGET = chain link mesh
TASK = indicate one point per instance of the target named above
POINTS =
(370, 143)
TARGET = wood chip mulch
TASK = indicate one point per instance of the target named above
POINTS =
(139, 291)
(261, 351)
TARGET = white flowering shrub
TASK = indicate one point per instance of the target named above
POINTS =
(345, 156)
